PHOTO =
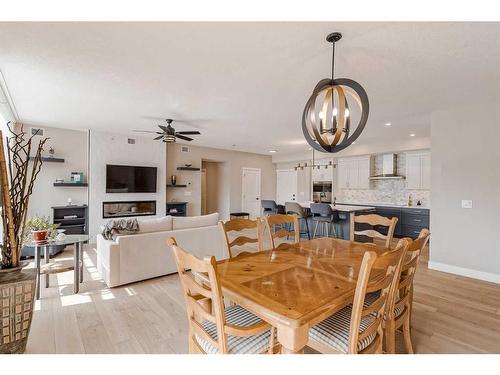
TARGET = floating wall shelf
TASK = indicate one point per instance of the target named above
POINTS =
(65, 184)
(50, 160)
(176, 186)
(187, 169)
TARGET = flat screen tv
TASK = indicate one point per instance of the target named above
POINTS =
(130, 179)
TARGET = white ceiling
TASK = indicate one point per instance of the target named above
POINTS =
(242, 84)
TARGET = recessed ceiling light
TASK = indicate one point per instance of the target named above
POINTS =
(388, 124)
(309, 149)
(272, 151)
(412, 134)
(353, 143)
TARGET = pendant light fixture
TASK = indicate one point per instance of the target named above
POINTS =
(327, 125)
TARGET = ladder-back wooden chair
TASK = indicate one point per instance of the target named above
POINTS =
(358, 328)
(212, 328)
(400, 305)
(288, 227)
(373, 220)
(238, 225)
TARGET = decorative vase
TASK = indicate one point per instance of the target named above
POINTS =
(173, 179)
(40, 236)
(17, 294)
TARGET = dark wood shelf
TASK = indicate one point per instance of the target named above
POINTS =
(176, 186)
(72, 184)
(187, 169)
(50, 160)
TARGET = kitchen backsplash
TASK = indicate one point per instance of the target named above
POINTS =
(385, 191)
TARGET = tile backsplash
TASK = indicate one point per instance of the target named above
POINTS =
(385, 191)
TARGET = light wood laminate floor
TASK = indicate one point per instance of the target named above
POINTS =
(451, 314)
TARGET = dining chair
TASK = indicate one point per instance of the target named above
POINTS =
(286, 223)
(399, 306)
(293, 208)
(357, 328)
(214, 328)
(324, 214)
(373, 220)
(238, 225)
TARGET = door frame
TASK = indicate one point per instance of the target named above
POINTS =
(243, 170)
(296, 181)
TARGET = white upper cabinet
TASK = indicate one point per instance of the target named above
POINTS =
(354, 173)
(418, 170)
(323, 174)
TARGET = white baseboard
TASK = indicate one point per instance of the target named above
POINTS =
(467, 272)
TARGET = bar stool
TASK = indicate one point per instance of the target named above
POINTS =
(270, 207)
(296, 209)
(324, 214)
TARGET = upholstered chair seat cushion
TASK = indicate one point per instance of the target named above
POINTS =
(237, 315)
(334, 331)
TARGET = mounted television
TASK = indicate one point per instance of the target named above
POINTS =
(130, 179)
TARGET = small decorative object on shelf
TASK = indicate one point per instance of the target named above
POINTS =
(173, 179)
(17, 285)
(69, 201)
(76, 177)
(188, 165)
(51, 152)
(59, 180)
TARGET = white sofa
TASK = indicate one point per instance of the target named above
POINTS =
(145, 255)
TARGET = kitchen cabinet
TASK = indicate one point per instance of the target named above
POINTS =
(354, 173)
(418, 170)
(323, 174)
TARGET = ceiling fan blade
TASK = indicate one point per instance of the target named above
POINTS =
(160, 137)
(194, 132)
(182, 137)
(164, 128)
(146, 131)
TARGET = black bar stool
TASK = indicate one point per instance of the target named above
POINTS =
(297, 209)
(322, 213)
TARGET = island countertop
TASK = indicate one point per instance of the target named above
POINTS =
(340, 207)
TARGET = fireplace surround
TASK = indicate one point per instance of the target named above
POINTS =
(128, 208)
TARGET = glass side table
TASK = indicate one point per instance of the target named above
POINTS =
(49, 268)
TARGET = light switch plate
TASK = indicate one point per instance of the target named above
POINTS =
(466, 203)
(187, 193)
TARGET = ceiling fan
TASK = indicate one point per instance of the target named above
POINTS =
(168, 133)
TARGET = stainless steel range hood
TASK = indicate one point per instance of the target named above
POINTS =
(389, 169)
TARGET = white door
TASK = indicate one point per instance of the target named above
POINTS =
(250, 189)
(286, 186)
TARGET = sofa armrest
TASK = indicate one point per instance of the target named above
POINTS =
(108, 260)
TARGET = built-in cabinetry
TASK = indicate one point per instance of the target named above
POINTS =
(354, 173)
(322, 174)
(418, 170)
(73, 219)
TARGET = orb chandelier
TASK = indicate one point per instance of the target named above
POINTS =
(329, 113)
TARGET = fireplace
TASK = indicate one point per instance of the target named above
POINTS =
(128, 208)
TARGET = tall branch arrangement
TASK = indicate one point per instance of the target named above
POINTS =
(17, 180)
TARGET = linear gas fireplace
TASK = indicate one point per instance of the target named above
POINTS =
(128, 208)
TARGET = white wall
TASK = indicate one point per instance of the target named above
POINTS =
(108, 148)
(229, 172)
(72, 146)
(465, 145)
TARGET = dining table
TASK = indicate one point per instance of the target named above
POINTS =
(296, 286)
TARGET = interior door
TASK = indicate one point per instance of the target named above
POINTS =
(250, 189)
(286, 186)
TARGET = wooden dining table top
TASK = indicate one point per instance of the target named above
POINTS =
(299, 284)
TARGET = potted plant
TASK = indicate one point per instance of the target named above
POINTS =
(39, 230)
(17, 285)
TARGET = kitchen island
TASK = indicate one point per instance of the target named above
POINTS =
(343, 227)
